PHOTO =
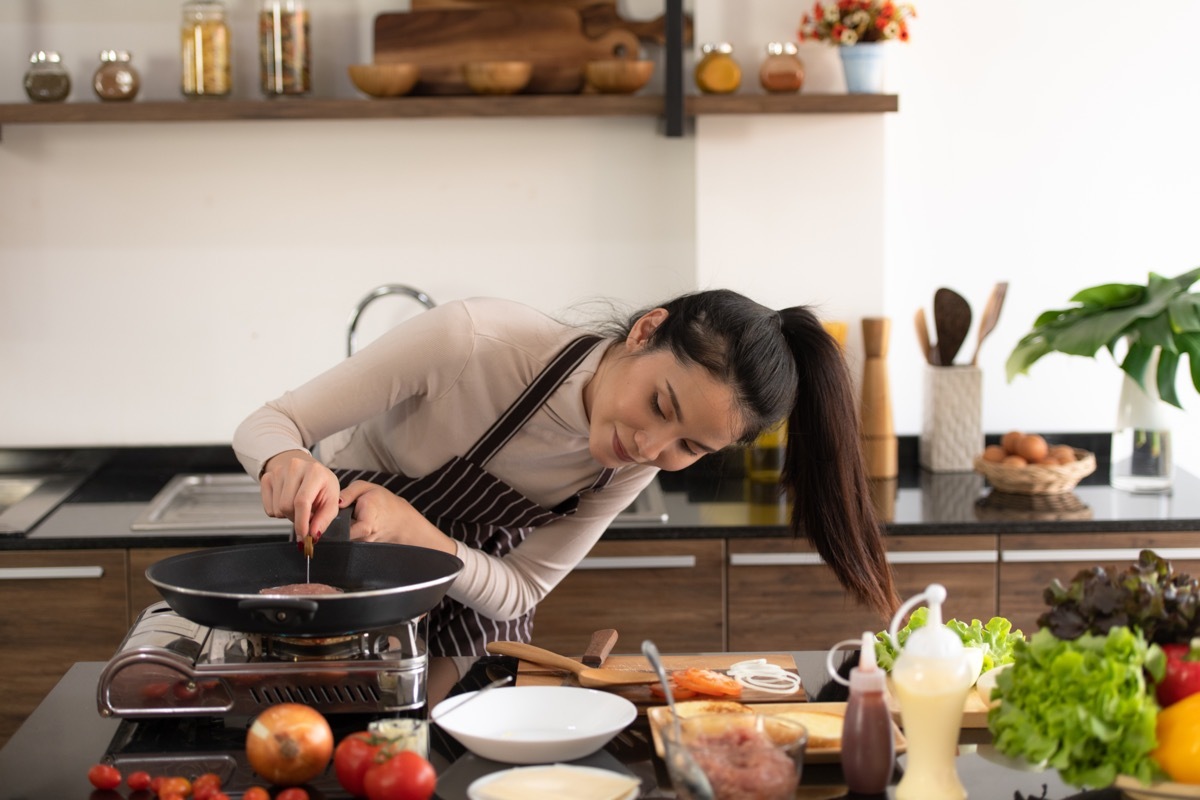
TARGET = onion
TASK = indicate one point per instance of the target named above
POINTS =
(757, 673)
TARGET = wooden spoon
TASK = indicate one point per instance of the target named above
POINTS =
(952, 319)
(991, 313)
(927, 351)
(590, 677)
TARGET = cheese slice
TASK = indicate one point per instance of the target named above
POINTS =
(555, 782)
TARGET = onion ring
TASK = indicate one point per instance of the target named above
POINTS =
(757, 673)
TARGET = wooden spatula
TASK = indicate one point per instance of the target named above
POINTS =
(952, 319)
(590, 677)
(991, 313)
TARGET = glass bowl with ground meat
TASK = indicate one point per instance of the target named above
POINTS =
(745, 756)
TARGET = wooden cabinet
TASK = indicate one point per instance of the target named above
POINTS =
(56, 608)
(783, 597)
(669, 591)
(1029, 562)
(141, 591)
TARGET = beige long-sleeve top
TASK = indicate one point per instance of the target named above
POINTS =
(423, 393)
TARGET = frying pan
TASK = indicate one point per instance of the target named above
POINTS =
(385, 584)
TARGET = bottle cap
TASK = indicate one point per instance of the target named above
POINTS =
(867, 676)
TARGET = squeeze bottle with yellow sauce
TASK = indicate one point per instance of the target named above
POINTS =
(931, 678)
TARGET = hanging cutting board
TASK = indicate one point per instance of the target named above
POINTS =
(551, 37)
(599, 16)
(529, 674)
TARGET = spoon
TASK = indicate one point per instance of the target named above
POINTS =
(591, 677)
(991, 313)
(952, 319)
(679, 758)
(927, 351)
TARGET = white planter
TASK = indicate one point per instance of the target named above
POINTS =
(1142, 460)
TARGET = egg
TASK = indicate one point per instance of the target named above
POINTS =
(994, 452)
(1011, 440)
(1049, 461)
(1032, 448)
(1014, 461)
(1063, 454)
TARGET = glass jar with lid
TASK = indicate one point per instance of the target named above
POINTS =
(204, 49)
(717, 72)
(115, 78)
(782, 70)
(283, 48)
(47, 81)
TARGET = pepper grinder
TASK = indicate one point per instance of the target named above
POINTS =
(879, 432)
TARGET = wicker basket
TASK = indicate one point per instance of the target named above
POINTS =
(1036, 478)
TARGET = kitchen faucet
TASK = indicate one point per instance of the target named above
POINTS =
(375, 294)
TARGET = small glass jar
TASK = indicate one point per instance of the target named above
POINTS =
(47, 81)
(717, 72)
(115, 78)
(283, 48)
(782, 71)
(204, 49)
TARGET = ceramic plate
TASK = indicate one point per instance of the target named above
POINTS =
(1157, 791)
(559, 780)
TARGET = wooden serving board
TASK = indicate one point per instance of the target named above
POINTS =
(530, 674)
(660, 716)
(550, 37)
(598, 16)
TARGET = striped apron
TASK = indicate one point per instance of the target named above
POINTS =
(471, 505)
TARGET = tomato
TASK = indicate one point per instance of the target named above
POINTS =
(172, 796)
(404, 776)
(104, 776)
(138, 780)
(186, 691)
(218, 796)
(353, 756)
(292, 794)
(207, 785)
(174, 785)
(256, 793)
(156, 784)
(706, 681)
(289, 744)
(677, 692)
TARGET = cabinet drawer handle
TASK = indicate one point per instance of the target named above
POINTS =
(1114, 554)
(49, 573)
(910, 557)
(637, 562)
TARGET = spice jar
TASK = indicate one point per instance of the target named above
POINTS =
(782, 70)
(204, 49)
(717, 72)
(283, 48)
(115, 78)
(47, 80)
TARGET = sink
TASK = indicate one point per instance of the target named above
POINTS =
(230, 503)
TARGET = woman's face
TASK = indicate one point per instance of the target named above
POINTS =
(647, 408)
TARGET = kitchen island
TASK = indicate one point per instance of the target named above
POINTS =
(48, 757)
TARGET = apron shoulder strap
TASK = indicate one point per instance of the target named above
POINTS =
(531, 399)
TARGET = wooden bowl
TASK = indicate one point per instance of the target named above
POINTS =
(1038, 478)
(497, 77)
(384, 80)
(618, 75)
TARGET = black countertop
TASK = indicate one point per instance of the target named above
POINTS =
(712, 499)
(49, 756)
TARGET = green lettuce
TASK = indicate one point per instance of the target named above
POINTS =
(996, 639)
(1082, 706)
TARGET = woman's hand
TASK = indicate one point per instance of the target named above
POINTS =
(382, 516)
(296, 486)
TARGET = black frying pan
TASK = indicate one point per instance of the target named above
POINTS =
(384, 584)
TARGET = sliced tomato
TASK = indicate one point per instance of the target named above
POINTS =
(707, 681)
(677, 692)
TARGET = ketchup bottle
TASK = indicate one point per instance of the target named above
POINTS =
(868, 744)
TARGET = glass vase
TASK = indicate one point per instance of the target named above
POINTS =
(1142, 459)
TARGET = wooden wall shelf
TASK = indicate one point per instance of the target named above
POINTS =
(582, 105)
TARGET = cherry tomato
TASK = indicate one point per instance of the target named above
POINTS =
(104, 776)
(156, 784)
(295, 793)
(172, 796)
(186, 691)
(256, 793)
(353, 756)
(174, 785)
(138, 781)
(289, 744)
(218, 796)
(404, 776)
(205, 786)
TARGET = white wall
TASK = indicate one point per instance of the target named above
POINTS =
(158, 281)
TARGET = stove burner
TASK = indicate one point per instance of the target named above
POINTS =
(324, 648)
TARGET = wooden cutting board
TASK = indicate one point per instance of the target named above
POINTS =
(529, 674)
(441, 41)
(598, 16)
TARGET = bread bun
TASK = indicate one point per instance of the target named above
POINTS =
(694, 708)
(824, 728)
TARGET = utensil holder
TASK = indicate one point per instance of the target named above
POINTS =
(952, 426)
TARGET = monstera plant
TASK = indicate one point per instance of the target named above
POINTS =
(1161, 318)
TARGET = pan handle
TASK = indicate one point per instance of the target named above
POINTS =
(281, 610)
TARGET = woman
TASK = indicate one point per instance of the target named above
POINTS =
(490, 431)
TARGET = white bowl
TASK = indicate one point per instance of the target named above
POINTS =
(535, 724)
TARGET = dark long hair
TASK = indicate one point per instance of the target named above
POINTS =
(783, 364)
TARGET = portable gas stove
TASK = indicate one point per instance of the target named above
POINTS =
(169, 666)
